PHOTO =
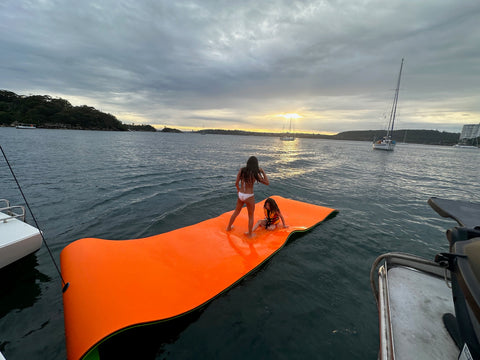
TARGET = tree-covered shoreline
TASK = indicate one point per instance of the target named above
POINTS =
(43, 111)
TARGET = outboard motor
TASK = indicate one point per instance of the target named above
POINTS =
(463, 261)
(464, 266)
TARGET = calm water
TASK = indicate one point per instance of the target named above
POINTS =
(311, 300)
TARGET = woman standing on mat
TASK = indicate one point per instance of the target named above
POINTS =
(246, 178)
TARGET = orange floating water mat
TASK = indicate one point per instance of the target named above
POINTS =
(116, 285)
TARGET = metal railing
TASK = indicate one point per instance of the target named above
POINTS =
(408, 260)
(12, 211)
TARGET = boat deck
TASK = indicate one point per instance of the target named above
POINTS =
(17, 239)
(413, 296)
(425, 298)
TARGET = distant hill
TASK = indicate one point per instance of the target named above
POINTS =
(133, 127)
(170, 130)
(430, 137)
(43, 111)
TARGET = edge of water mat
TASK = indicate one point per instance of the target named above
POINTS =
(93, 354)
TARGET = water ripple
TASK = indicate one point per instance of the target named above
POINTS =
(311, 300)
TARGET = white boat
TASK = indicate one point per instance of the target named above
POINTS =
(418, 316)
(17, 238)
(288, 136)
(387, 143)
(465, 146)
(26, 126)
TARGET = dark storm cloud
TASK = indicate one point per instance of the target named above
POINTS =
(195, 63)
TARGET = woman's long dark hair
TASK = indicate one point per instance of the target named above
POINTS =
(251, 172)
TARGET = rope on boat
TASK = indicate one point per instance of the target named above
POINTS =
(64, 285)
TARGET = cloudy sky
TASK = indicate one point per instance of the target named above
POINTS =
(247, 64)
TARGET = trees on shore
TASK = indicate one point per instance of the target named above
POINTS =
(56, 113)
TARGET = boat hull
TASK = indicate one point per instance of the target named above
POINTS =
(387, 146)
(18, 239)
(458, 146)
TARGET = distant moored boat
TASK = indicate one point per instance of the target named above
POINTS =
(387, 143)
(26, 126)
(288, 136)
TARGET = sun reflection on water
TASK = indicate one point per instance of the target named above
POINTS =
(289, 159)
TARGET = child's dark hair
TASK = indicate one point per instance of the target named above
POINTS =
(273, 205)
(251, 172)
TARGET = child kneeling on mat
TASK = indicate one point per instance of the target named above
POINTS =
(272, 216)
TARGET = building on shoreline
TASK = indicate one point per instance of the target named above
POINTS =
(469, 136)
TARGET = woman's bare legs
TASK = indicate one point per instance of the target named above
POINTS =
(250, 202)
(259, 223)
(238, 208)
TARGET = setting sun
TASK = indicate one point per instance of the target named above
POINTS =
(290, 116)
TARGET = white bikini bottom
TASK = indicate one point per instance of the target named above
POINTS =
(243, 196)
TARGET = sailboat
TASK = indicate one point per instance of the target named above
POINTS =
(387, 143)
(288, 136)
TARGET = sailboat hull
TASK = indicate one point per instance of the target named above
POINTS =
(384, 145)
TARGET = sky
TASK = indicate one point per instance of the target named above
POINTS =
(329, 66)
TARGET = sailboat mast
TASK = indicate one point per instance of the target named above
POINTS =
(391, 122)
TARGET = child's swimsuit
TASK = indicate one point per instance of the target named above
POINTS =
(244, 196)
(272, 218)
